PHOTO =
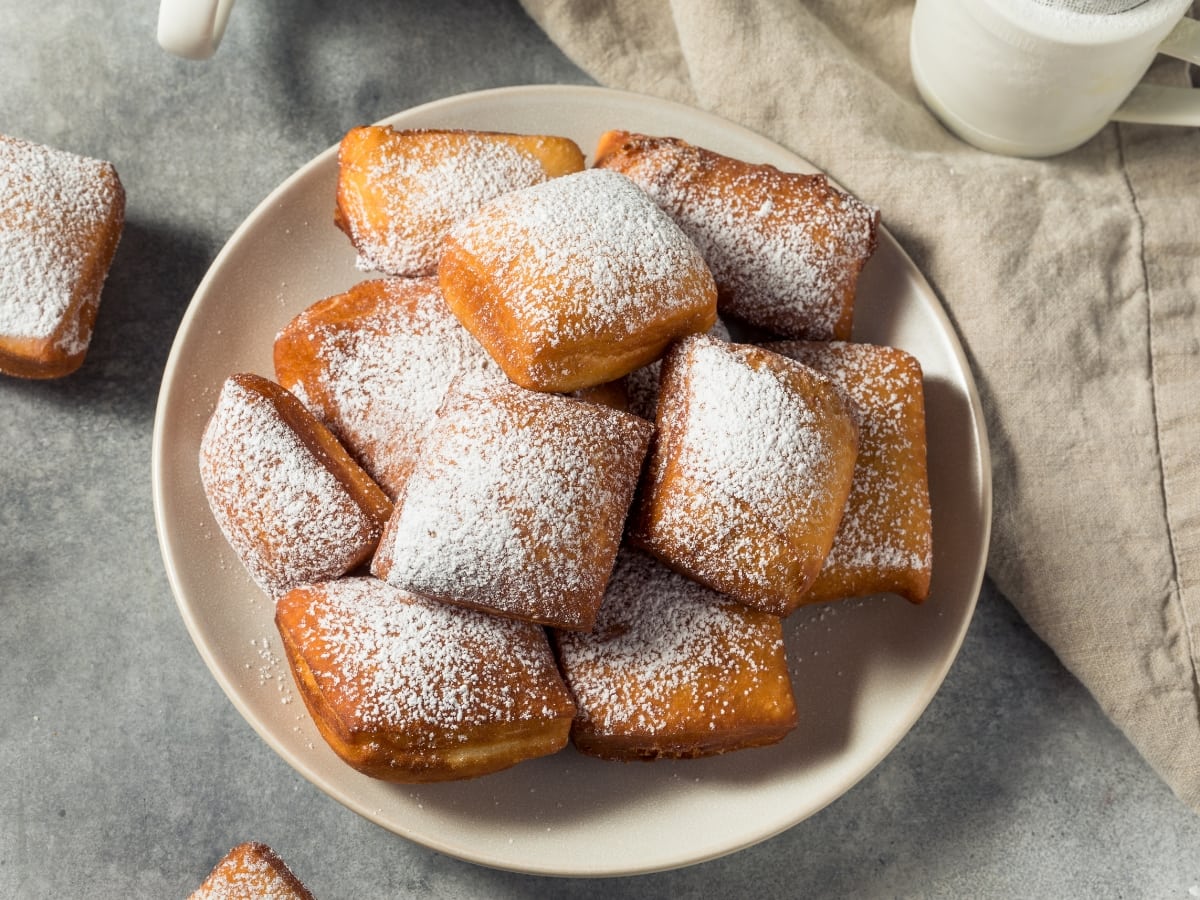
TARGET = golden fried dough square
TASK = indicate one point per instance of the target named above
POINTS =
(287, 496)
(749, 471)
(399, 192)
(786, 249)
(412, 690)
(885, 541)
(516, 505)
(251, 871)
(575, 282)
(61, 217)
(674, 670)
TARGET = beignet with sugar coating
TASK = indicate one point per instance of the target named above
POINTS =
(575, 282)
(785, 248)
(885, 540)
(748, 473)
(399, 192)
(61, 217)
(251, 871)
(516, 505)
(287, 496)
(674, 670)
(412, 690)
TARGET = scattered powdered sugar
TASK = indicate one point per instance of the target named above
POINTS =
(661, 639)
(288, 518)
(785, 248)
(379, 376)
(517, 504)
(753, 459)
(424, 667)
(594, 256)
(885, 529)
(272, 669)
(54, 206)
(425, 183)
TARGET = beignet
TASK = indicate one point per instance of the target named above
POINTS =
(672, 669)
(885, 540)
(61, 217)
(251, 871)
(374, 364)
(516, 505)
(399, 192)
(287, 496)
(576, 281)
(785, 249)
(748, 474)
(411, 690)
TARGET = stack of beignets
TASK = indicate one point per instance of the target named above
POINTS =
(505, 404)
(61, 217)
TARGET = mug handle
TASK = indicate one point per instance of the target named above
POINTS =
(192, 28)
(1156, 104)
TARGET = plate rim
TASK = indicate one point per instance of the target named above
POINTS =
(170, 381)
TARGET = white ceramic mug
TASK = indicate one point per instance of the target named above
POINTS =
(1035, 78)
(192, 28)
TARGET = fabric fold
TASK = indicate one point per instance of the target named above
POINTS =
(1073, 284)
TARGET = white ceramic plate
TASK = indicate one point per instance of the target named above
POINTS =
(864, 671)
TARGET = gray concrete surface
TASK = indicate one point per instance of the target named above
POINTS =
(127, 773)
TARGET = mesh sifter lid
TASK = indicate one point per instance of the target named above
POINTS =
(1094, 7)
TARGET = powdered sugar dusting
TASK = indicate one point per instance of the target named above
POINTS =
(785, 248)
(380, 377)
(641, 385)
(517, 504)
(885, 531)
(662, 644)
(595, 256)
(53, 208)
(425, 668)
(423, 186)
(288, 519)
(753, 454)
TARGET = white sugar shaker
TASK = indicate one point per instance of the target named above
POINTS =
(1038, 77)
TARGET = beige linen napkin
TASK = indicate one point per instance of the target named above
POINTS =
(1072, 281)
